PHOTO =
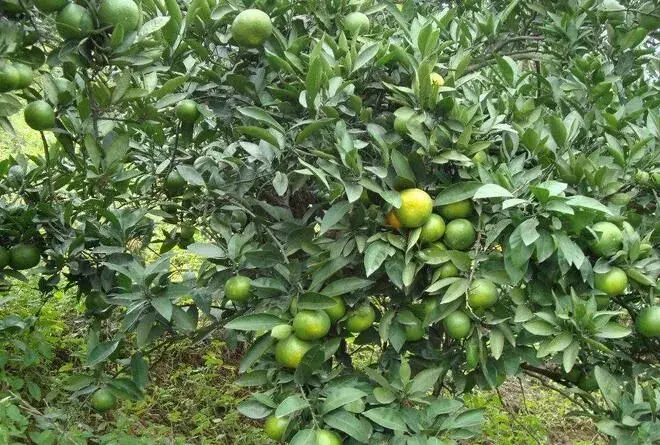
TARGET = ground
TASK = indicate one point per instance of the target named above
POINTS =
(191, 397)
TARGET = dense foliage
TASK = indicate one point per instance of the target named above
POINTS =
(395, 203)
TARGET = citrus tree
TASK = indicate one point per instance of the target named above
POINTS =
(394, 204)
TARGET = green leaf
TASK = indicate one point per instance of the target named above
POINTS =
(457, 192)
(163, 306)
(315, 301)
(586, 202)
(387, 417)
(613, 330)
(101, 352)
(570, 356)
(425, 380)
(345, 286)
(255, 352)
(290, 405)
(374, 256)
(340, 397)
(259, 133)
(491, 191)
(254, 322)
(334, 215)
(608, 384)
(280, 183)
(366, 55)
(314, 77)
(496, 343)
(260, 115)
(312, 128)
(348, 423)
(206, 250)
(558, 130)
(456, 290)
(539, 327)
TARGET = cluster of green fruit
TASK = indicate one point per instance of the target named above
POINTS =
(416, 211)
(20, 257)
(614, 282)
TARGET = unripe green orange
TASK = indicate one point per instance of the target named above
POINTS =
(433, 229)
(103, 400)
(251, 28)
(74, 22)
(114, 12)
(648, 322)
(311, 325)
(356, 23)
(238, 288)
(274, 427)
(609, 241)
(361, 318)
(460, 209)
(482, 294)
(459, 234)
(338, 310)
(613, 282)
(290, 351)
(416, 208)
(457, 325)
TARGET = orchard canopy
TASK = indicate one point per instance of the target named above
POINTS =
(383, 205)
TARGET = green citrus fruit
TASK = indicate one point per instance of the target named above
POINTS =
(326, 437)
(74, 22)
(9, 77)
(401, 118)
(113, 12)
(433, 229)
(609, 241)
(187, 111)
(50, 5)
(437, 79)
(360, 318)
(613, 282)
(482, 294)
(25, 75)
(460, 209)
(425, 308)
(103, 400)
(4, 257)
(187, 232)
(356, 23)
(251, 28)
(281, 331)
(448, 270)
(311, 325)
(290, 351)
(337, 311)
(457, 324)
(648, 322)
(480, 157)
(274, 427)
(620, 199)
(39, 115)
(416, 208)
(392, 221)
(238, 288)
(175, 184)
(459, 234)
(414, 332)
(24, 256)
(642, 177)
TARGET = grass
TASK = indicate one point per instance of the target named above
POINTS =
(191, 397)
